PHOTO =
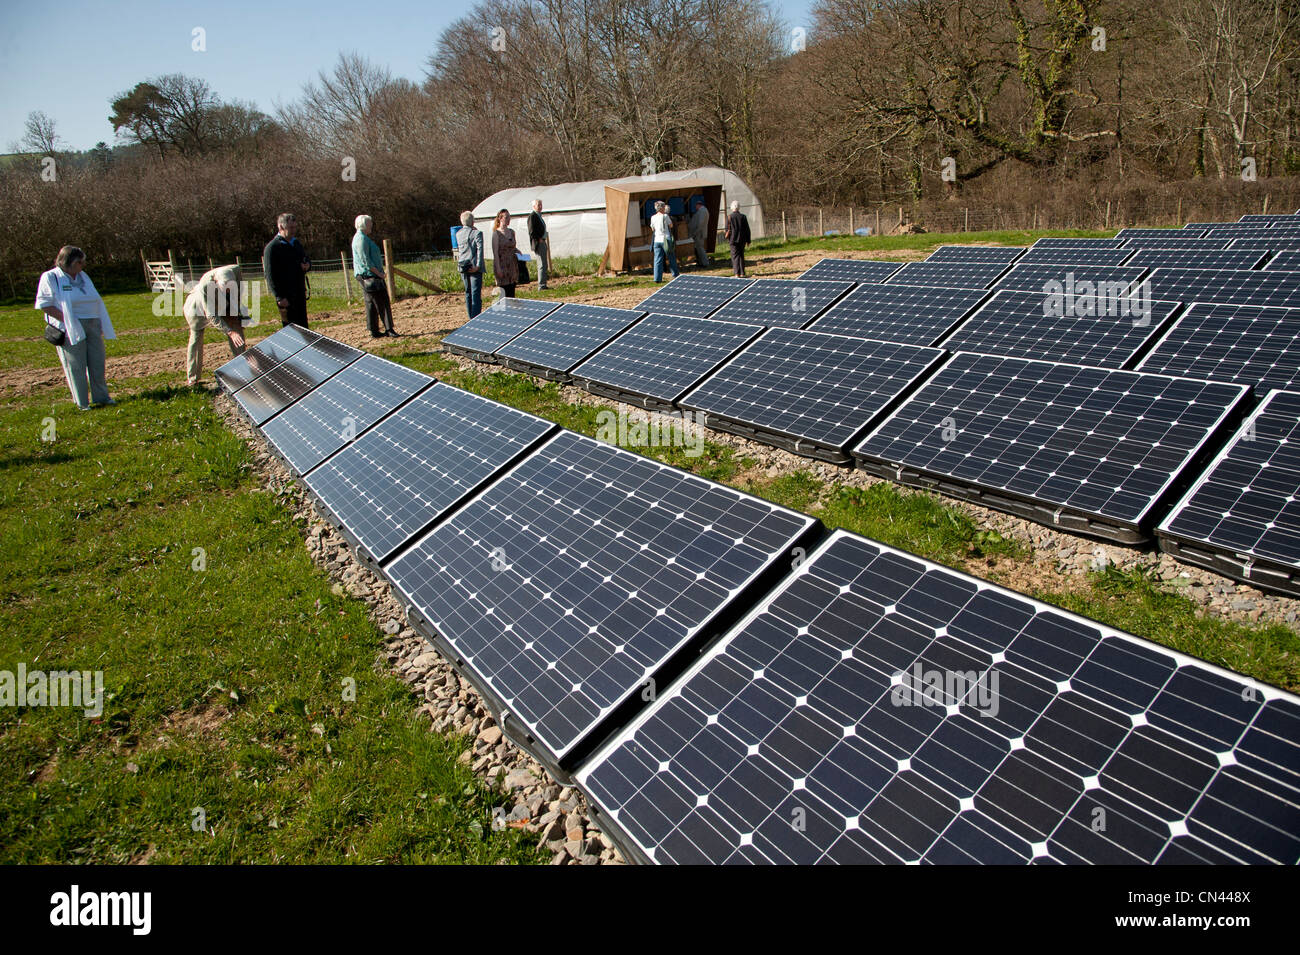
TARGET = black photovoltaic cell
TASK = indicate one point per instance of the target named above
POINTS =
(782, 303)
(1068, 243)
(1036, 278)
(1197, 258)
(574, 578)
(482, 335)
(1175, 241)
(341, 409)
(1249, 344)
(948, 274)
(913, 314)
(661, 357)
(1245, 507)
(819, 390)
(1006, 254)
(1085, 447)
(696, 296)
(852, 270)
(294, 377)
(417, 463)
(1034, 325)
(1128, 235)
(1286, 261)
(831, 726)
(262, 357)
(1240, 286)
(566, 336)
(1074, 255)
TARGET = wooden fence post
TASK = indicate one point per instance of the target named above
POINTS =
(821, 223)
(347, 279)
(851, 232)
(966, 225)
(877, 220)
(785, 236)
(389, 278)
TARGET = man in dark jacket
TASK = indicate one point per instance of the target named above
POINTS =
(737, 238)
(540, 242)
(285, 265)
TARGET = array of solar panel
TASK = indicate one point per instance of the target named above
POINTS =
(310, 430)
(420, 461)
(831, 726)
(1243, 286)
(1128, 235)
(784, 303)
(568, 335)
(483, 334)
(852, 270)
(1280, 244)
(1174, 242)
(1197, 259)
(1105, 333)
(569, 583)
(809, 386)
(262, 357)
(1071, 278)
(1251, 344)
(1247, 502)
(1068, 243)
(697, 296)
(1102, 444)
(1074, 255)
(976, 253)
(948, 274)
(294, 377)
(914, 314)
(661, 357)
(1286, 261)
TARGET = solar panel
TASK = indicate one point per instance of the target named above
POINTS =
(294, 377)
(1074, 255)
(784, 303)
(1270, 218)
(1073, 280)
(1088, 449)
(1285, 262)
(1107, 334)
(262, 357)
(1242, 286)
(914, 314)
(1128, 235)
(1267, 235)
(948, 274)
(881, 708)
(660, 358)
(1250, 344)
(419, 462)
(1280, 244)
(579, 580)
(852, 270)
(696, 296)
(481, 336)
(809, 392)
(1242, 517)
(976, 253)
(1197, 259)
(341, 409)
(1071, 243)
(564, 338)
(1230, 227)
(1176, 242)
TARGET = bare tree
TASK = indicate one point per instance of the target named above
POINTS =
(39, 134)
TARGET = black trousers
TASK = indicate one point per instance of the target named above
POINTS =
(738, 259)
(295, 313)
(377, 305)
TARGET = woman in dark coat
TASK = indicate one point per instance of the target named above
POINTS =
(505, 266)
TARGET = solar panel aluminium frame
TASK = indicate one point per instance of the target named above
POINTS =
(559, 374)
(490, 358)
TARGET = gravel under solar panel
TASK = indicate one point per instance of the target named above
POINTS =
(782, 303)
(568, 585)
(1250, 344)
(1037, 278)
(913, 314)
(1240, 286)
(1033, 325)
(1197, 258)
(697, 296)
(1088, 449)
(408, 470)
(1175, 242)
(1243, 516)
(976, 253)
(662, 357)
(1285, 261)
(260, 358)
(948, 274)
(852, 270)
(482, 335)
(294, 377)
(341, 409)
(815, 390)
(1074, 255)
(880, 708)
(1128, 235)
(565, 337)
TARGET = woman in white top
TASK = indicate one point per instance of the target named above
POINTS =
(71, 304)
(664, 243)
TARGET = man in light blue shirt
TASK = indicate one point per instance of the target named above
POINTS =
(469, 261)
(368, 264)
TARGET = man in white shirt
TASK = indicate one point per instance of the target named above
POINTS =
(214, 301)
(665, 245)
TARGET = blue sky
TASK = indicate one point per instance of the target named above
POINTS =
(71, 64)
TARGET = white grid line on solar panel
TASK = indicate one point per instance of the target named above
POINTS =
(1266, 245)
(819, 700)
(912, 314)
(1070, 255)
(341, 409)
(1128, 235)
(568, 335)
(785, 303)
(1027, 325)
(1246, 499)
(852, 270)
(574, 577)
(948, 274)
(1284, 262)
(294, 377)
(662, 356)
(1174, 242)
(495, 326)
(1037, 278)
(1252, 344)
(263, 356)
(975, 253)
(1197, 259)
(810, 385)
(1098, 441)
(1070, 243)
(696, 296)
(1232, 286)
(404, 473)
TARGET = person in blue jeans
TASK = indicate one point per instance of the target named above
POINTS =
(469, 260)
(664, 243)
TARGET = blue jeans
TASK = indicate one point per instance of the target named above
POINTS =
(660, 252)
(473, 291)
